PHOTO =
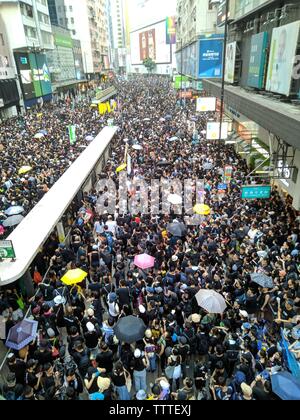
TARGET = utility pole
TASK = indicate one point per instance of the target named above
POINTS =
(224, 69)
(181, 71)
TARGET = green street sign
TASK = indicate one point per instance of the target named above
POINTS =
(184, 82)
(7, 250)
(256, 192)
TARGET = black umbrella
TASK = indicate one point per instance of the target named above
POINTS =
(262, 280)
(177, 229)
(164, 163)
(130, 329)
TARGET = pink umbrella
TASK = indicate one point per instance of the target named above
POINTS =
(2, 230)
(144, 261)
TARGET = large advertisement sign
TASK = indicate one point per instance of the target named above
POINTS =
(206, 104)
(26, 77)
(34, 75)
(147, 45)
(171, 30)
(230, 62)
(282, 58)
(150, 42)
(210, 58)
(257, 65)
(254, 192)
(213, 131)
(41, 74)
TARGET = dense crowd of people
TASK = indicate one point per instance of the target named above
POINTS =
(40, 140)
(186, 353)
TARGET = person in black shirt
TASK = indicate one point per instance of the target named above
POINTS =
(123, 294)
(73, 380)
(104, 359)
(44, 354)
(262, 390)
(18, 367)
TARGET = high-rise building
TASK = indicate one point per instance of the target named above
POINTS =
(87, 21)
(30, 21)
(57, 12)
(118, 34)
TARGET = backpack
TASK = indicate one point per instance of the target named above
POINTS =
(110, 241)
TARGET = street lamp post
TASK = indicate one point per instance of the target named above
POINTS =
(181, 71)
(224, 69)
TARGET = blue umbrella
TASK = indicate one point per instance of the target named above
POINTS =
(286, 387)
(14, 211)
(22, 334)
(44, 132)
(262, 280)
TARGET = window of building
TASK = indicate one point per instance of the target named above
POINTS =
(1, 39)
(71, 8)
(72, 21)
(74, 32)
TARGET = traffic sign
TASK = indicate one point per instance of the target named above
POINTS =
(7, 250)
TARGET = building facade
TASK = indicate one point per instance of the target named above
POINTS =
(199, 49)
(9, 94)
(29, 37)
(116, 16)
(87, 21)
(262, 91)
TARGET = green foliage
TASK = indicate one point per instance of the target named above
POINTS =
(149, 64)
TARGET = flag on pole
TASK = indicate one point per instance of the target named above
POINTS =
(72, 134)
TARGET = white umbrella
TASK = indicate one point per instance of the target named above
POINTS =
(14, 210)
(174, 138)
(137, 147)
(13, 221)
(211, 301)
(39, 136)
(175, 199)
(89, 138)
(147, 119)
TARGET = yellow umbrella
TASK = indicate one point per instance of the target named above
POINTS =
(73, 277)
(24, 170)
(121, 168)
(202, 209)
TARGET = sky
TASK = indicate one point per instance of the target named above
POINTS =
(144, 12)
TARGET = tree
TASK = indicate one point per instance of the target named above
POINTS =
(149, 64)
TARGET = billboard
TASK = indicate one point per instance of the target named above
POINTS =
(282, 58)
(254, 192)
(150, 42)
(171, 30)
(213, 131)
(257, 65)
(206, 104)
(26, 77)
(34, 74)
(41, 74)
(147, 45)
(210, 58)
(230, 62)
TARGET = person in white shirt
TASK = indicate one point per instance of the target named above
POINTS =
(111, 225)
